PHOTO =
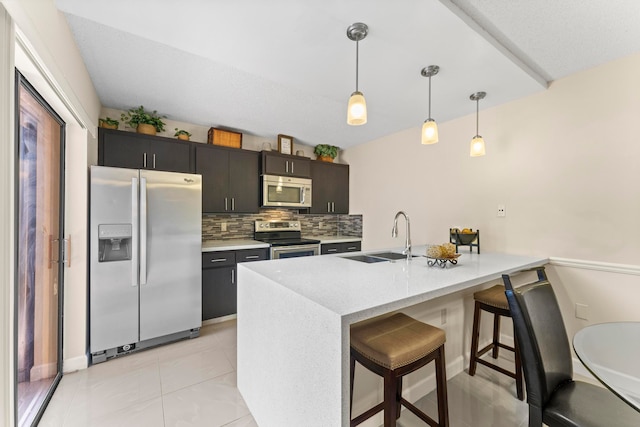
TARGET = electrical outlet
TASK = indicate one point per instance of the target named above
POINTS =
(502, 212)
(223, 226)
(582, 311)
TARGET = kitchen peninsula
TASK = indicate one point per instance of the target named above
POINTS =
(294, 316)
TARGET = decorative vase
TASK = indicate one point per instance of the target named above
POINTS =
(146, 129)
(325, 159)
(183, 137)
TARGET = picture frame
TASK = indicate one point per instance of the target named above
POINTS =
(285, 144)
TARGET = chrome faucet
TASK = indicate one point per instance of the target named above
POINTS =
(394, 233)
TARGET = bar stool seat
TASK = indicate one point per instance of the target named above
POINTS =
(392, 346)
(494, 300)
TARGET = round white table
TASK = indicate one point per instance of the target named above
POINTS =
(611, 351)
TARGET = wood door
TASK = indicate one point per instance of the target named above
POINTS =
(117, 149)
(213, 164)
(320, 177)
(171, 156)
(218, 292)
(244, 181)
(340, 188)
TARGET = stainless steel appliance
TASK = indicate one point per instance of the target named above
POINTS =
(285, 239)
(284, 191)
(145, 259)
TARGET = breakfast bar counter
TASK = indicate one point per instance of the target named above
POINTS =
(294, 316)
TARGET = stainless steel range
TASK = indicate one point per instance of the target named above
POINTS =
(285, 239)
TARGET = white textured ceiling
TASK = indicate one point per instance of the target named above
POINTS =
(287, 66)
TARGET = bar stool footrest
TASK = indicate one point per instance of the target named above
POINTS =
(418, 413)
(367, 414)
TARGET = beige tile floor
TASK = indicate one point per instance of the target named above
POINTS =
(193, 383)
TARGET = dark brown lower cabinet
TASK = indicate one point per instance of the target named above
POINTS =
(219, 280)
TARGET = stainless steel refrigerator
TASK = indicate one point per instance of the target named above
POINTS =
(145, 279)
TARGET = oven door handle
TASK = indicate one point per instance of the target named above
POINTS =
(275, 250)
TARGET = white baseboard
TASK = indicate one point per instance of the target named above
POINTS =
(39, 372)
(75, 364)
(219, 319)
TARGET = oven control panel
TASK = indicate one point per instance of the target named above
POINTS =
(278, 226)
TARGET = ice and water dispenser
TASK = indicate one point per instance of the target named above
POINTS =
(114, 242)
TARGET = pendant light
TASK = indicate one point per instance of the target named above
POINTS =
(357, 108)
(430, 127)
(477, 143)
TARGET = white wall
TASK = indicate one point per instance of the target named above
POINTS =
(200, 134)
(54, 66)
(563, 162)
(7, 226)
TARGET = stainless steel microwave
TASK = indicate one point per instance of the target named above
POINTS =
(286, 192)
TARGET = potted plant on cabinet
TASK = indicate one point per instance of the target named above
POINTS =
(182, 134)
(108, 123)
(143, 121)
(325, 152)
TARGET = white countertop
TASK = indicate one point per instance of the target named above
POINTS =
(337, 239)
(231, 245)
(347, 287)
(294, 317)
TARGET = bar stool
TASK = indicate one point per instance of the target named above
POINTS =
(393, 346)
(493, 300)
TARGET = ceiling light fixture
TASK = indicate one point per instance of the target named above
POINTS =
(357, 109)
(430, 127)
(477, 143)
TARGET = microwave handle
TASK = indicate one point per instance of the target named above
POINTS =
(302, 194)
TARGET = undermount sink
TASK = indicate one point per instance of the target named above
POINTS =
(377, 257)
(389, 255)
(365, 258)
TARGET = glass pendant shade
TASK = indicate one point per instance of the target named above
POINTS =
(477, 147)
(357, 109)
(429, 132)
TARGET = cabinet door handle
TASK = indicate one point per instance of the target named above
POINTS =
(332, 250)
(328, 206)
(233, 277)
(154, 161)
(252, 257)
(333, 207)
(225, 204)
(287, 166)
(144, 160)
(233, 203)
(218, 260)
(292, 166)
(351, 248)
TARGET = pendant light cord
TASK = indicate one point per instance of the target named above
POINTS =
(429, 97)
(357, 56)
(477, 115)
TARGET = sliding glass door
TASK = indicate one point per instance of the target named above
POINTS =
(40, 180)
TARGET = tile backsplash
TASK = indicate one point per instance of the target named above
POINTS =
(241, 226)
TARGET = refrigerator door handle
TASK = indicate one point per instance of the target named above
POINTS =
(134, 231)
(143, 231)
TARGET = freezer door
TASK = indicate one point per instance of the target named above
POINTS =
(170, 253)
(113, 269)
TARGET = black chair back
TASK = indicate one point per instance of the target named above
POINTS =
(543, 340)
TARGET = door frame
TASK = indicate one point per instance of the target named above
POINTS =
(21, 81)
